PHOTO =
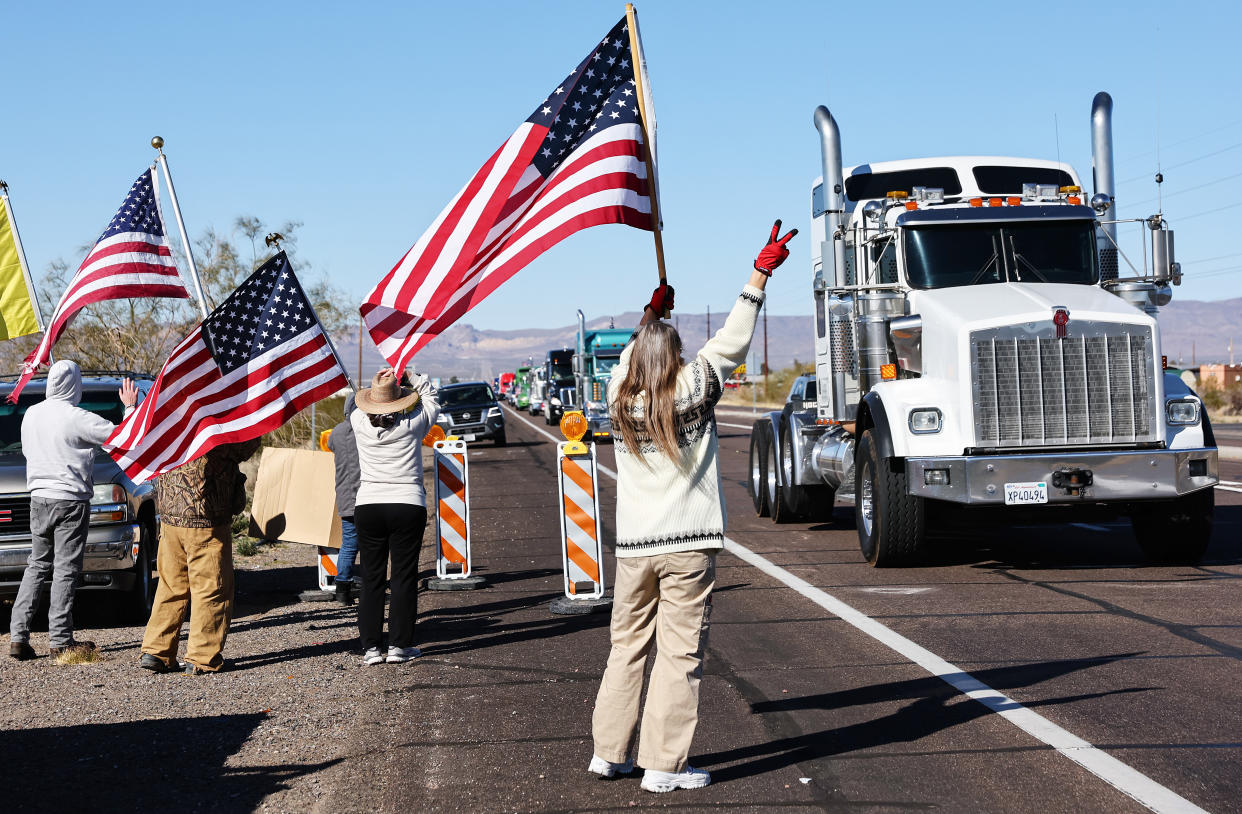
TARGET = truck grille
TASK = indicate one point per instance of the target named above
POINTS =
(1093, 387)
(15, 515)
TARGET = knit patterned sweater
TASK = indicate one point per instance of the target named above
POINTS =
(665, 507)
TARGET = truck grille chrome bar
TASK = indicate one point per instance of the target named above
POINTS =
(1033, 389)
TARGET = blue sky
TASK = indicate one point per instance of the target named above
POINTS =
(363, 121)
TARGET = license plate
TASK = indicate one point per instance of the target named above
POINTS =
(468, 436)
(1021, 494)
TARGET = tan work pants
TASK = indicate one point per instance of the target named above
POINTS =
(665, 597)
(196, 568)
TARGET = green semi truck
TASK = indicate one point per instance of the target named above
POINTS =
(521, 398)
(597, 354)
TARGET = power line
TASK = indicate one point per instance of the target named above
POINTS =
(1213, 211)
(1147, 175)
(1196, 137)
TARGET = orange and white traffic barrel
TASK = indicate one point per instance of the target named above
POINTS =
(582, 547)
(326, 566)
(453, 559)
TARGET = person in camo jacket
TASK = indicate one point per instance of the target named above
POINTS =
(196, 502)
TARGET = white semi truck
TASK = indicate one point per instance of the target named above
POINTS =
(985, 352)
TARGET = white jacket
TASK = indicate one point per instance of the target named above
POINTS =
(59, 438)
(391, 460)
(663, 507)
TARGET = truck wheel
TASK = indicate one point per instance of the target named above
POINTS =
(138, 601)
(758, 461)
(1177, 532)
(891, 523)
(795, 501)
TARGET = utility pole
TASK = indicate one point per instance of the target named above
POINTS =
(709, 322)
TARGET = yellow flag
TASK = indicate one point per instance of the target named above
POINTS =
(17, 309)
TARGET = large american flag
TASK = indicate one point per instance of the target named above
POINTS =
(577, 161)
(130, 259)
(254, 363)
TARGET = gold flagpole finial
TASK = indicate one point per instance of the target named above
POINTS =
(273, 239)
(158, 143)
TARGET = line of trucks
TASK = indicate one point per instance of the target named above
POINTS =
(570, 379)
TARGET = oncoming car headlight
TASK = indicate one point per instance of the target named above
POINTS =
(108, 503)
(925, 420)
(493, 412)
(1182, 412)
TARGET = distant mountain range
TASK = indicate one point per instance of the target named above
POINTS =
(1191, 330)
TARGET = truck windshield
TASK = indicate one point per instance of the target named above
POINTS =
(975, 254)
(562, 369)
(605, 364)
(459, 396)
(107, 405)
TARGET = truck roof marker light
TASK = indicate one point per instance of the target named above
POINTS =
(897, 195)
(1074, 200)
(1164, 363)
(1014, 200)
(1071, 188)
(994, 201)
(976, 202)
(888, 372)
(912, 205)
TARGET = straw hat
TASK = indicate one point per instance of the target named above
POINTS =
(385, 395)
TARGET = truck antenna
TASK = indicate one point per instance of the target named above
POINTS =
(1056, 128)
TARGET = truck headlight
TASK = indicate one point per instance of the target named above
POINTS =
(925, 420)
(555, 401)
(1182, 412)
(494, 412)
(109, 503)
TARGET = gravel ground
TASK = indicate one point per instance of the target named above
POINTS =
(256, 736)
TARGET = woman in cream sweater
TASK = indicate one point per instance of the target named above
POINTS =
(670, 525)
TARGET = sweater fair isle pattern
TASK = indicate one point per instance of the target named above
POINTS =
(665, 507)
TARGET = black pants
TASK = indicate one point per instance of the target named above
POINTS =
(386, 529)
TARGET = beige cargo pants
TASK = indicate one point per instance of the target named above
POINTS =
(665, 598)
(196, 569)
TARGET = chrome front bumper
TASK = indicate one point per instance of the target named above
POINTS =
(1126, 475)
(108, 548)
(599, 424)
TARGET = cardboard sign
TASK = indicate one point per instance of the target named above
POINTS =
(295, 498)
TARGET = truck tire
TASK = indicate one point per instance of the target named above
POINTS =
(793, 502)
(136, 604)
(1176, 532)
(758, 462)
(891, 523)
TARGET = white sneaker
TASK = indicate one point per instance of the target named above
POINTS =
(605, 768)
(660, 782)
(373, 656)
(397, 655)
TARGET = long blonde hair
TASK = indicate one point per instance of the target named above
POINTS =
(652, 377)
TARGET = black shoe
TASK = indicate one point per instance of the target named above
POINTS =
(22, 651)
(73, 645)
(154, 664)
(345, 592)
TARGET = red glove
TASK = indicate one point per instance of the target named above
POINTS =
(661, 300)
(773, 254)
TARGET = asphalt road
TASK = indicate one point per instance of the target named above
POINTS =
(801, 709)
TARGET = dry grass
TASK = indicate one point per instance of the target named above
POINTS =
(78, 655)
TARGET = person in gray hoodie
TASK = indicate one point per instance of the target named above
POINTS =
(344, 449)
(59, 441)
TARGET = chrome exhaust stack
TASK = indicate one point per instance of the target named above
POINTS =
(833, 247)
(1104, 181)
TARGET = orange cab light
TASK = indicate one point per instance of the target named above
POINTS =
(897, 195)
(1073, 200)
(1164, 363)
(1071, 188)
(912, 205)
(994, 201)
(888, 372)
(1014, 200)
(976, 202)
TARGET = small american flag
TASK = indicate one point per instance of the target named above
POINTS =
(254, 363)
(130, 259)
(577, 161)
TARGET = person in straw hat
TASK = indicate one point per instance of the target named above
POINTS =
(390, 510)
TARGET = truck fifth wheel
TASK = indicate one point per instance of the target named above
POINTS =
(982, 344)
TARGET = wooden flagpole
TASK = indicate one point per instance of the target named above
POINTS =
(631, 21)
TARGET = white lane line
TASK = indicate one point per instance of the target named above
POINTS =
(1230, 488)
(739, 426)
(1231, 483)
(1091, 527)
(1125, 779)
